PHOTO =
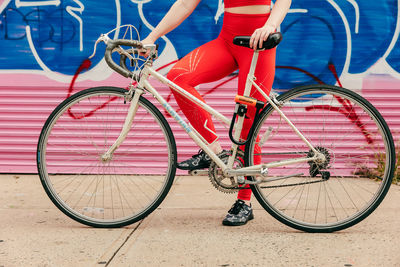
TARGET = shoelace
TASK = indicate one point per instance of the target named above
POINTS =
(236, 207)
(198, 153)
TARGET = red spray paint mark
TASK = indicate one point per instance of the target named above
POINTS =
(315, 78)
(334, 72)
(84, 66)
(166, 65)
(134, 83)
(347, 109)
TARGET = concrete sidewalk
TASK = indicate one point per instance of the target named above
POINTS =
(185, 231)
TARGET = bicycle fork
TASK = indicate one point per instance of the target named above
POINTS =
(133, 107)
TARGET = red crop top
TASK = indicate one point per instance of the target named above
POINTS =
(236, 3)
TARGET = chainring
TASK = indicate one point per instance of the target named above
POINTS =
(218, 180)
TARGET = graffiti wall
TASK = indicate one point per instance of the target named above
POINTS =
(350, 43)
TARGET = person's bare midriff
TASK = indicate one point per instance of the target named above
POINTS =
(256, 9)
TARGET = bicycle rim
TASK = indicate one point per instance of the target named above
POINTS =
(101, 193)
(358, 146)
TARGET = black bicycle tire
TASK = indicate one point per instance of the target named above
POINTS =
(170, 176)
(384, 188)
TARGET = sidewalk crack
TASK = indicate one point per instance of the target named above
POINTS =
(123, 243)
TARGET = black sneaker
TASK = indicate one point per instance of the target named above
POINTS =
(239, 214)
(199, 161)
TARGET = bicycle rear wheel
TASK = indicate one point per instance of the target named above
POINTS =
(111, 193)
(358, 146)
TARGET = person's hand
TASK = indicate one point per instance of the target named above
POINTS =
(260, 35)
(146, 41)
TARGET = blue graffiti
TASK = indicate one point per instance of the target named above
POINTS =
(348, 35)
(58, 36)
(314, 38)
(371, 27)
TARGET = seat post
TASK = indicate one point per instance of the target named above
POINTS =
(250, 75)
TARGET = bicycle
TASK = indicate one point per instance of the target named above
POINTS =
(107, 156)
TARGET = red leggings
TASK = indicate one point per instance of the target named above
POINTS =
(217, 59)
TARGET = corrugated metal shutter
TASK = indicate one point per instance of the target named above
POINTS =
(332, 36)
(23, 111)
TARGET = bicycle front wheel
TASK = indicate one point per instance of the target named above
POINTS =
(105, 193)
(359, 159)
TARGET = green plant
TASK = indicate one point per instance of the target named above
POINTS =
(396, 177)
(379, 161)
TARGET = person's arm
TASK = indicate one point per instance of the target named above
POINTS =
(178, 12)
(275, 19)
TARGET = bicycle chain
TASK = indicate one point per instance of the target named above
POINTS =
(231, 189)
(285, 185)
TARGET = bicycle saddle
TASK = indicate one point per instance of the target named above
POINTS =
(273, 40)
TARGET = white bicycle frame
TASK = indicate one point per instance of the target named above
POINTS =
(261, 169)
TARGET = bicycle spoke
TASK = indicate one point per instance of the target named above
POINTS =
(349, 133)
(106, 192)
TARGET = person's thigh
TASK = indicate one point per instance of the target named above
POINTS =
(264, 72)
(209, 62)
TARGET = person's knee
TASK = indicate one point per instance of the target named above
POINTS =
(177, 75)
(172, 74)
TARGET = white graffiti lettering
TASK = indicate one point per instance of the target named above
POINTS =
(71, 11)
(19, 3)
